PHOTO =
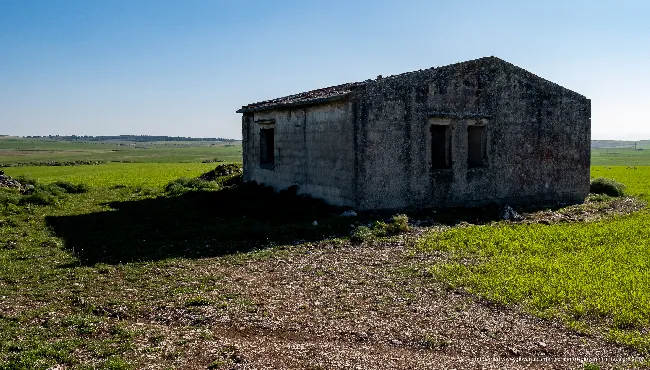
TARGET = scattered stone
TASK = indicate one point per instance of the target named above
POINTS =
(362, 336)
(8, 182)
(514, 351)
(222, 170)
(349, 213)
(396, 342)
(509, 214)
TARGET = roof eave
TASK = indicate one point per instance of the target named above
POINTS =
(316, 101)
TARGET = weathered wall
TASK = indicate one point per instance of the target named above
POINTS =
(313, 149)
(537, 138)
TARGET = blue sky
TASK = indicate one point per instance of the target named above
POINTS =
(182, 68)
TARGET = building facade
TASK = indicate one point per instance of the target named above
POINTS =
(476, 132)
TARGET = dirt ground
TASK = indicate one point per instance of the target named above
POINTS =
(368, 307)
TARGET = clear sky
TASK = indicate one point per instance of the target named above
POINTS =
(182, 68)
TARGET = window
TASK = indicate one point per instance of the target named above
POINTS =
(440, 146)
(476, 146)
(267, 146)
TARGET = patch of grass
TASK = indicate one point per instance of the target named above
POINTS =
(197, 302)
(578, 271)
(398, 224)
(608, 187)
(185, 184)
(116, 363)
(145, 175)
(581, 268)
(35, 193)
(71, 188)
(632, 338)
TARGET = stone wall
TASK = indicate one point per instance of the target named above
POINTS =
(537, 138)
(371, 147)
(313, 149)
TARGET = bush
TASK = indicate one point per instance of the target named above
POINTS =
(39, 197)
(362, 234)
(9, 196)
(605, 186)
(71, 188)
(185, 184)
(399, 224)
(26, 180)
(380, 228)
(222, 170)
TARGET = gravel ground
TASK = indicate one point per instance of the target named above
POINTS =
(365, 307)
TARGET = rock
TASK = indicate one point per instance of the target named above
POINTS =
(8, 182)
(514, 351)
(396, 342)
(315, 223)
(349, 213)
(509, 214)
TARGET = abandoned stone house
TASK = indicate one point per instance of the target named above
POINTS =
(474, 132)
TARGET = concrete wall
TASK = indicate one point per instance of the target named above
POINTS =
(538, 138)
(313, 149)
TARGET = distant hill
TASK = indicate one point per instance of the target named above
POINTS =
(136, 138)
(640, 144)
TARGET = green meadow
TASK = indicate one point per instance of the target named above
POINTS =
(113, 174)
(15, 150)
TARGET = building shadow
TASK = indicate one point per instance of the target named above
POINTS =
(237, 219)
(197, 224)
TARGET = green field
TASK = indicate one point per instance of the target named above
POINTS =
(82, 277)
(620, 157)
(112, 174)
(27, 150)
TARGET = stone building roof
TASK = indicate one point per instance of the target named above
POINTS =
(323, 95)
(338, 92)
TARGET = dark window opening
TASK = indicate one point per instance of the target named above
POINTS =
(267, 146)
(476, 146)
(440, 146)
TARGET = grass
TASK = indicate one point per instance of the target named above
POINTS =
(114, 174)
(595, 273)
(36, 150)
(620, 157)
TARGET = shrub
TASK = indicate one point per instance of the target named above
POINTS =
(605, 186)
(71, 188)
(222, 170)
(361, 234)
(26, 180)
(185, 184)
(399, 224)
(380, 228)
(9, 197)
(39, 197)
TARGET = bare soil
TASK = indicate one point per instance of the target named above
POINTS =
(365, 307)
